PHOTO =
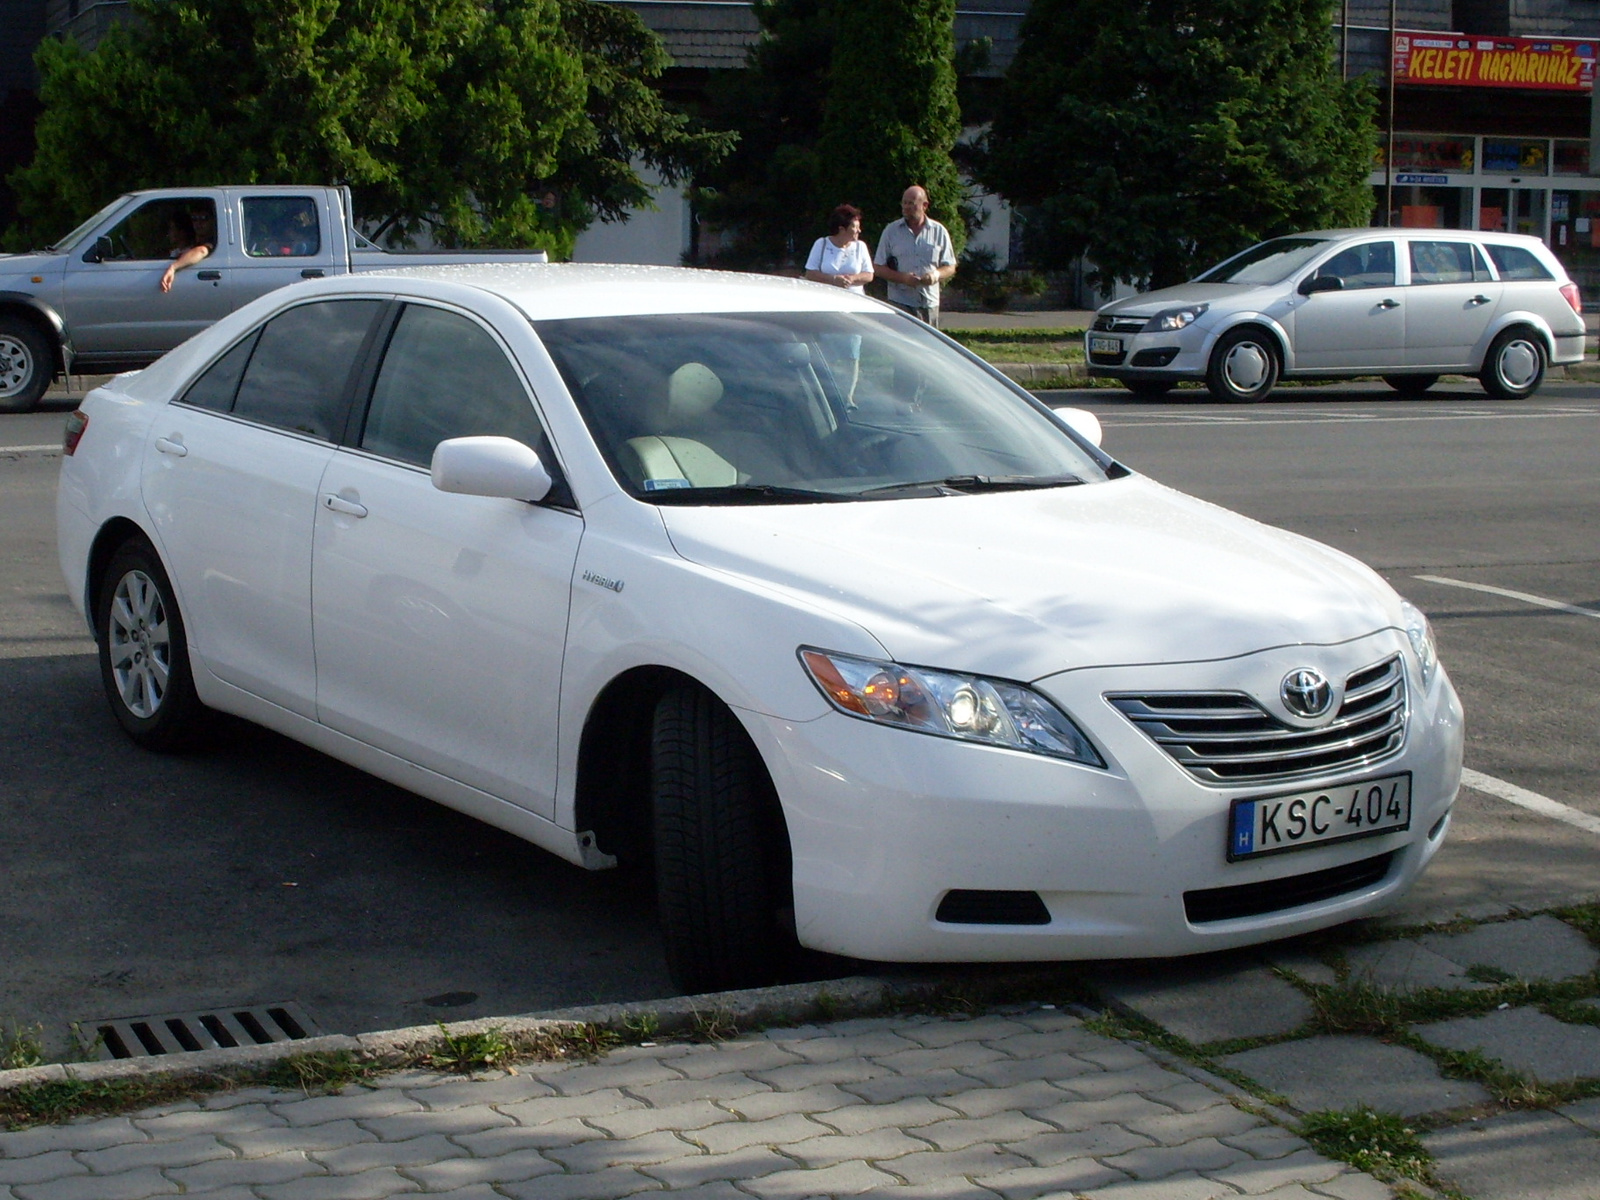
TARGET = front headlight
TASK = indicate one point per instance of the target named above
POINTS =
(1420, 634)
(1175, 318)
(945, 704)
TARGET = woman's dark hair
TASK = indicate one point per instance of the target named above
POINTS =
(843, 217)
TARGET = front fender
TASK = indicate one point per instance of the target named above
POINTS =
(1269, 323)
(51, 317)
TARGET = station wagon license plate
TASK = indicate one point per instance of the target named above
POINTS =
(1277, 824)
(1105, 345)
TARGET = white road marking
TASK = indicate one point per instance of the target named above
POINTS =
(1340, 419)
(1532, 801)
(1525, 597)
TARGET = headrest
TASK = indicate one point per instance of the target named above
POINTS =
(692, 391)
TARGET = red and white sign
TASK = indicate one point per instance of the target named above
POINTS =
(1456, 60)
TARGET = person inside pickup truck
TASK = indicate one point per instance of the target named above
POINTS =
(187, 245)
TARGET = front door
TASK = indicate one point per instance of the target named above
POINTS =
(1361, 327)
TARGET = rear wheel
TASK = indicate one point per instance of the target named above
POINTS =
(1244, 367)
(1147, 389)
(1514, 366)
(27, 365)
(1411, 385)
(720, 849)
(144, 656)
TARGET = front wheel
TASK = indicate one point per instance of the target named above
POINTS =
(144, 656)
(720, 848)
(1514, 366)
(27, 364)
(1244, 367)
(1147, 389)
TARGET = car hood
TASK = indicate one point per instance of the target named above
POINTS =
(31, 263)
(1149, 303)
(1025, 584)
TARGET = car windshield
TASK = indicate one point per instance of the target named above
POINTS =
(1270, 262)
(62, 245)
(782, 408)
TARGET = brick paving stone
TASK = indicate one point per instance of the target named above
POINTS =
(775, 1131)
(1112, 1056)
(661, 1145)
(730, 1086)
(258, 1143)
(823, 1098)
(844, 1179)
(929, 1166)
(351, 1103)
(1304, 1166)
(1342, 1071)
(859, 1045)
(1005, 1072)
(1304, 964)
(173, 1125)
(512, 1089)
(236, 1097)
(1289, 1191)
(412, 1077)
(887, 1088)
(509, 1139)
(1059, 1179)
(479, 1191)
(350, 1160)
(1406, 966)
(75, 1135)
(198, 1147)
(746, 1056)
(1265, 1141)
(37, 1168)
(1021, 1097)
(1220, 1120)
(1147, 1078)
(957, 1057)
(1210, 1000)
(369, 1185)
(1187, 1095)
(1082, 1114)
(1524, 1039)
(1584, 1112)
(502, 1169)
(129, 1185)
(600, 1185)
(1040, 1042)
(871, 1146)
(935, 1032)
(696, 1114)
(902, 1114)
(1352, 1185)
(1185, 1186)
(1539, 947)
(606, 1076)
(942, 1189)
(559, 1108)
(1097, 1141)
(1155, 1162)
(959, 1132)
(247, 1172)
(804, 1074)
(747, 1162)
(464, 1119)
(1518, 1156)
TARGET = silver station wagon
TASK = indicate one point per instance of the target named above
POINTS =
(1407, 304)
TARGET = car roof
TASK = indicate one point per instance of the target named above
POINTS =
(1405, 233)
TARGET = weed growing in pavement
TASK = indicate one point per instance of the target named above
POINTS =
(467, 1052)
(641, 1028)
(59, 1100)
(323, 1072)
(717, 1025)
(1380, 1144)
(1131, 1027)
(1583, 917)
(21, 1046)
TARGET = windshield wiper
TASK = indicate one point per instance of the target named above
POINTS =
(742, 493)
(971, 484)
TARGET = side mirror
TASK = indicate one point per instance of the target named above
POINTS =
(99, 252)
(1321, 283)
(499, 467)
(1082, 422)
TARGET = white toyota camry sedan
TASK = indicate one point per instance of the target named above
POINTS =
(768, 586)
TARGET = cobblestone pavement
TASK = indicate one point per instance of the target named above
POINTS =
(1013, 1105)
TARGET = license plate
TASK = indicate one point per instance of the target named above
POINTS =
(1100, 345)
(1277, 824)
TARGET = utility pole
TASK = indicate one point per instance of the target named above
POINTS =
(1344, 41)
(1388, 153)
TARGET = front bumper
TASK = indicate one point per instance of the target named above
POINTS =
(884, 823)
(1171, 355)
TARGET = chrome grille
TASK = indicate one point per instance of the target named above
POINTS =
(1120, 324)
(1226, 737)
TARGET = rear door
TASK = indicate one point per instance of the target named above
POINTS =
(1449, 302)
(1361, 327)
(284, 237)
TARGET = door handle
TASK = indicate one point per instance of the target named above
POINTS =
(1479, 300)
(1388, 304)
(173, 446)
(339, 504)
(212, 275)
(312, 273)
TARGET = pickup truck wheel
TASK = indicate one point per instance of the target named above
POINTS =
(26, 365)
(144, 656)
(1244, 367)
(1514, 366)
(717, 860)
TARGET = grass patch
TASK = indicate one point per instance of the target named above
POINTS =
(21, 1046)
(982, 337)
(329, 1072)
(1380, 1144)
(1131, 1027)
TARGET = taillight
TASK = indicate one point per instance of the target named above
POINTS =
(1570, 291)
(77, 423)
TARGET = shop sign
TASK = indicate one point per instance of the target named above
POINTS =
(1425, 180)
(1452, 60)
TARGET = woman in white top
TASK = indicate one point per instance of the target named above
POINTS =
(843, 260)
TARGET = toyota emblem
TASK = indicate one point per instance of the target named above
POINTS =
(1307, 692)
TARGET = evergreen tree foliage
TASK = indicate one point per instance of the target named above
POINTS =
(1161, 136)
(446, 117)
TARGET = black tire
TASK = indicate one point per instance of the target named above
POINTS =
(1244, 366)
(1515, 364)
(1147, 389)
(144, 655)
(720, 850)
(1411, 385)
(27, 364)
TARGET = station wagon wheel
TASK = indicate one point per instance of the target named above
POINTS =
(1147, 389)
(144, 656)
(1244, 366)
(26, 365)
(1514, 366)
(719, 847)
(1411, 385)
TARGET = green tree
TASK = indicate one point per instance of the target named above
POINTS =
(447, 117)
(1160, 136)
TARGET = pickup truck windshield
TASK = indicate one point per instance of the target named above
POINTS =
(63, 245)
(786, 408)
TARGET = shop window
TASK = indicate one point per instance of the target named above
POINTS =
(1507, 156)
(1572, 158)
(1433, 154)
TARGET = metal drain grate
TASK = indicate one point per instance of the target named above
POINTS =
(175, 1033)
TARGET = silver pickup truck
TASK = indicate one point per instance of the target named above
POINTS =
(92, 303)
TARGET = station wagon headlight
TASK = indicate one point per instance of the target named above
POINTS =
(946, 704)
(1175, 318)
(1420, 634)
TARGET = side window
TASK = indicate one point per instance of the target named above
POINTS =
(298, 375)
(1368, 265)
(1441, 262)
(281, 227)
(442, 377)
(217, 386)
(161, 229)
(1514, 262)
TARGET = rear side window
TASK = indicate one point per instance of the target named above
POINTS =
(219, 384)
(1514, 262)
(281, 227)
(300, 371)
(1447, 262)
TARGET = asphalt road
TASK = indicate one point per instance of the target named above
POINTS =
(260, 872)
